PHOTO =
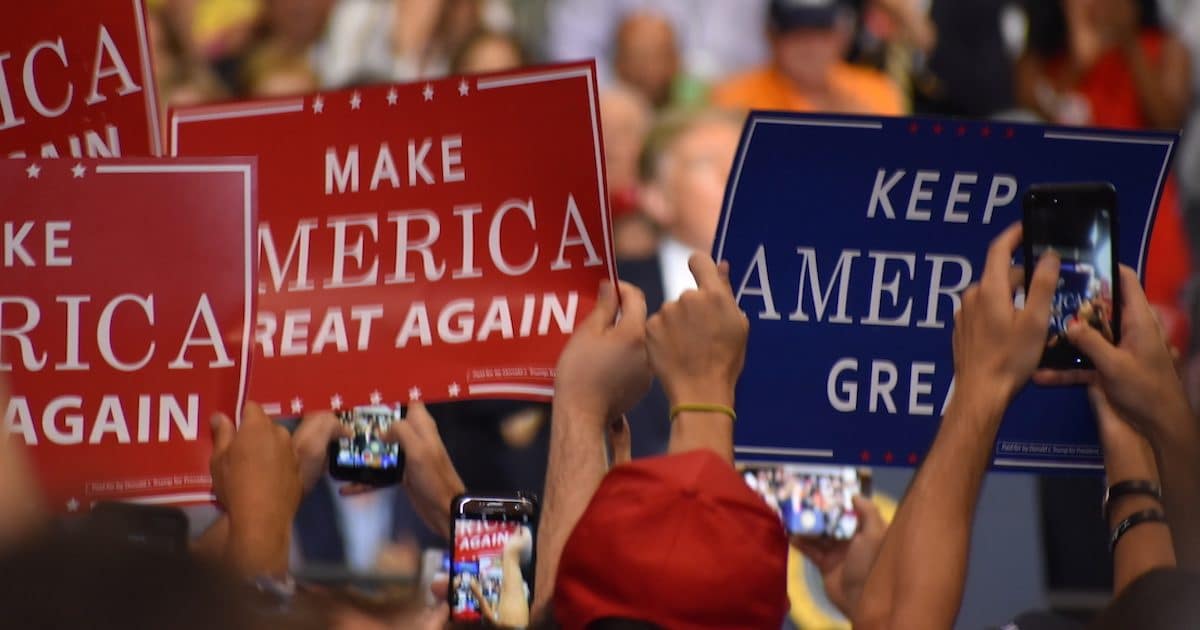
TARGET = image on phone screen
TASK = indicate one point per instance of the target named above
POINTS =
(1077, 223)
(492, 567)
(816, 501)
(367, 448)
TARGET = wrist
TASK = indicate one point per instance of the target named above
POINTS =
(258, 551)
(715, 394)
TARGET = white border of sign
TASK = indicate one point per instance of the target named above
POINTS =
(877, 125)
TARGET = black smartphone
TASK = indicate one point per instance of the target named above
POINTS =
(1079, 223)
(491, 558)
(812, 500)
(366, 458)
(154, 526)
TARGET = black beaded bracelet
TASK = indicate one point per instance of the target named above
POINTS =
(1152, 515)
(1129, 487)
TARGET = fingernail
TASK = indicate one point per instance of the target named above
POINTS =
(605, 288)
(216, 420)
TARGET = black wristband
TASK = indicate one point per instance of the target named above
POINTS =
(1129, 487)
(1152, 515)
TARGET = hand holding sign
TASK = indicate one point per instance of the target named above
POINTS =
(257, 478)
(604, 371)
(996, 346)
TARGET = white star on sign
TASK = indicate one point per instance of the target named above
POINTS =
(78, 170)
(318, 104)
(393, 96)
(355, 101)
(72, 505)
(376, 397)
(428, 92)
(454, 390)
(297, 405)
(34, 170)
(463, 88)
(414, 393)
(335, 402)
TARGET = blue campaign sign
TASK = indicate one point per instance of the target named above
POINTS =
(849, 240)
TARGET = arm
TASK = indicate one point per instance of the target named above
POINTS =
(1139, 379)
(697, 346)
(918, 579)
(1163, 88)
(429, 476)
(601, 374)
(1127, 456)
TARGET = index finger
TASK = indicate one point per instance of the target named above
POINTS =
(704, 270)
(999, 259)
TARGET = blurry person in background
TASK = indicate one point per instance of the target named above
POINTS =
(684, 168)
(487, 51)
(182, 79)
(627, 117)
(809, 39)
(715, 38)
(214, 33)
(646, 58)
(281, 63)
(1108, 63)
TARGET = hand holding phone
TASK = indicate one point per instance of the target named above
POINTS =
(1079, 223)
(491, 561)
(812, 501)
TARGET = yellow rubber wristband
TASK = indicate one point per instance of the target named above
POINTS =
(703, 408)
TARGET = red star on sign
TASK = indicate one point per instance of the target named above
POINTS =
(1010, 132)
(913, 127)
(865, 456)
(962, 130)
(912, 458)
(985, 132)
(888, 457)
(937, 129)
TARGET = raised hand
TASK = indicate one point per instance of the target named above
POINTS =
(429, 477)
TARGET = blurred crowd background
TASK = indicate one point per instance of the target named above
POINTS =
(677, 77)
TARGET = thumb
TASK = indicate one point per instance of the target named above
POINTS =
(619, 441)
(1090, 342)
(604, 313)
(869, 518)
(223, 430)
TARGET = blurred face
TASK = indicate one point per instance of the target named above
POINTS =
(626, 122)
(694, 175)
(298, 22)
(806, 55)
(647, 57)
(491, 54)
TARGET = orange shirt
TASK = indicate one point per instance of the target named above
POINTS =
(859, 90)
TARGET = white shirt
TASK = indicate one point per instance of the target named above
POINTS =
(673, 263)
(366, 525)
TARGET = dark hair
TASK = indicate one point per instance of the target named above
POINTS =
(87, 580)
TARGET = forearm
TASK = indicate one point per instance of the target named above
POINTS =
(1143, 548)
(918, 578)
(254, 549)
(1177, 450)
(576, 466)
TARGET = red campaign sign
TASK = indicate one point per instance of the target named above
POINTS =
(432, 241)
(126, 295)
(76, 80)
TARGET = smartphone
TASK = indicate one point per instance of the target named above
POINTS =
(366, 458)
(491, 560)
(811, 500)
(154, 526)
(1079, 223)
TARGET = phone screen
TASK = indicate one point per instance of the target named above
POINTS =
(492, 562)
(810, 500)
(367, 450)
(1077, 223)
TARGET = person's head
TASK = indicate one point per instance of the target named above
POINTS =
(296, 24)
(273, 71)
(647, 55)
(487, 51)
(626, 116)
(685, 166)
(674, 541)
(808, 38)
